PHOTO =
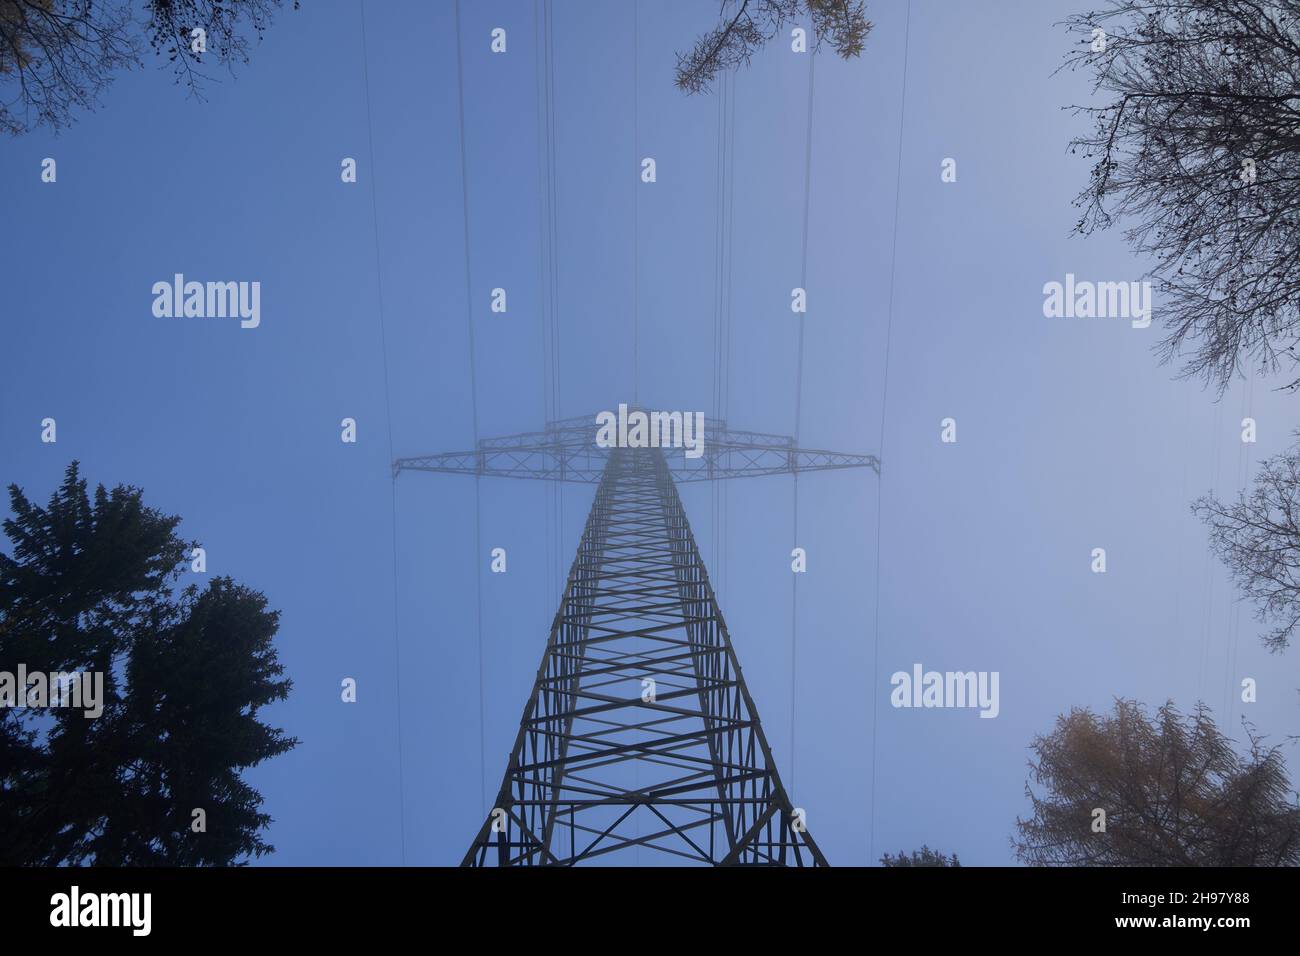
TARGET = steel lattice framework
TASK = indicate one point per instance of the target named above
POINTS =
(639, 731)
(566, 451)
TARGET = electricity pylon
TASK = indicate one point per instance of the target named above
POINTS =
(639, 731)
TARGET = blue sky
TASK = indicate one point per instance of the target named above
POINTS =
(1070, 435)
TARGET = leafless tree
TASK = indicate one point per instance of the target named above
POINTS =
(57, 56)
(1198, 149)
(1174, 792)
(746, 25)
(1258, 538)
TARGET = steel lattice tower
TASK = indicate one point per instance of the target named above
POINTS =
(639, 731)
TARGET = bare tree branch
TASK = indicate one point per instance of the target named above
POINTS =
(1258, 538)
(739, 35)
(1199, 150)
(58, 56)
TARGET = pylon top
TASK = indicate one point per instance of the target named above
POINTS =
(568, 450)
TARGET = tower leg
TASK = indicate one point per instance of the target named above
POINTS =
(639, 733)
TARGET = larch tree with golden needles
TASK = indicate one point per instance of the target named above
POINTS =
(1130, 789)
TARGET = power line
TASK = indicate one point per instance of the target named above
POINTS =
(553, 198)
(636, 268)
(719, 240)
(388, 407)
(557, 489)
(798, 406)
(636, 207)
(803, 256)
(1216, 443)
(1234, 631)
(473, 391)
(880, 448)
(543, 288)
(726, 378)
